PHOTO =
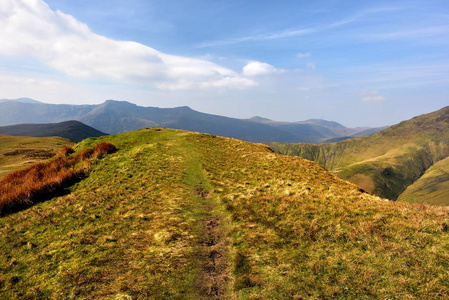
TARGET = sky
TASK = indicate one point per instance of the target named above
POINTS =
(360, 63)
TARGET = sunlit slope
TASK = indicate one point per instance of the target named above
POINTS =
(387, 162)
(431, 188)
(180, 215)
(18, 152)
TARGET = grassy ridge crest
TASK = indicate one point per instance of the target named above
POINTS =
(158, 218)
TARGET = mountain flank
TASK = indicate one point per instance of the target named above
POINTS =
(181, 215)
(432, 187)
(19, 152)
(115, 117)
(387, 162)
(72, 130)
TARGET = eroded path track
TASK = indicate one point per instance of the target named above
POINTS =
(214, 279)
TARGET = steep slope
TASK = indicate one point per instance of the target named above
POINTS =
(387, 162)
(72, 130)
(17, 152)
(431, 188)
(180, 215)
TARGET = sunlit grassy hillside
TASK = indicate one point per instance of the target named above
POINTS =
(180, 215)
(432, 187)
(17, 152)
(387, 162)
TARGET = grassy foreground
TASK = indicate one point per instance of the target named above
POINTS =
(179, 215)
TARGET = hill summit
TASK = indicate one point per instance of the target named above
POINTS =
(72, 130)
(181, 215)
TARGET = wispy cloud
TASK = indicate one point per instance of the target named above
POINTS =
(263, 37)
(32, 29)
(295, 32)
(411, 33)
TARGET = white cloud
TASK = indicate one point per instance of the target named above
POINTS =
(31, 29)
(303, 55)
(230, 82)
(257, 68)
(226, 82)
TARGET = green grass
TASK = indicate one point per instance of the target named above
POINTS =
(431, 188)
(282, 227)
(18, 152)
(387, 162)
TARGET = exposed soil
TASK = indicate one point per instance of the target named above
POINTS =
(214, 276)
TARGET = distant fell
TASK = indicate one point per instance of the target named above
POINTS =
(72, 130)
(387, 162)
(21, 100)
(317, 130)
(114, 117)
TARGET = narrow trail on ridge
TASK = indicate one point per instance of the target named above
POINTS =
(214, 252)
(214, 279)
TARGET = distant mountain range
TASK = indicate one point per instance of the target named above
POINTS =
(317, 131)
(72, 130)
(411, 155)
(115, 117)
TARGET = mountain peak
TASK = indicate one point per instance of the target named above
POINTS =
(118, 102)
(259, 119)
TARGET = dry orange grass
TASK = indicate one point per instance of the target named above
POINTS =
(102, 148)
(22, 188)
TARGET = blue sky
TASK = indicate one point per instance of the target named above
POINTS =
(360, 63)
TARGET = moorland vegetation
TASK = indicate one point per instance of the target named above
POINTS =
(182, 215)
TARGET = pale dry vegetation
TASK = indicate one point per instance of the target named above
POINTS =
(44, 180)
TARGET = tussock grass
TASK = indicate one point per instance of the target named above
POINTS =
(139, 226)
(22, 188)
